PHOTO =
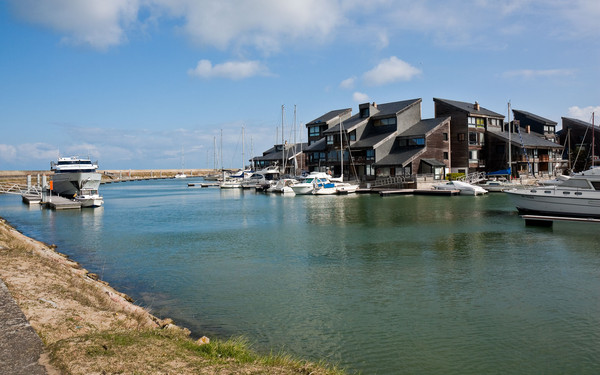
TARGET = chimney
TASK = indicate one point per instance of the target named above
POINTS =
(528, 129)
(476, 106)
(374, 104)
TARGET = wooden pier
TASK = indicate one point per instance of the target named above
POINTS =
(547, 221)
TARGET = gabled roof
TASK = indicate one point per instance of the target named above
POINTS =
(534, 117)
(272, 155)
(388, 109)
(469, 108)
(400, 157)
(348, 125)
(577, 122)
(529, 140)
(423, 127)
(329, 116)
(372, 141)
(319, 145)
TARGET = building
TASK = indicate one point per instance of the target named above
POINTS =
(293, 159)
(385, 140)
(468, 124)
(582, 143)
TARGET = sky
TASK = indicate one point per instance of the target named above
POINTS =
(161, 84)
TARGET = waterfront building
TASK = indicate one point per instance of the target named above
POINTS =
(468, 124)
(581, 140)
(290, 155)
(385, 140)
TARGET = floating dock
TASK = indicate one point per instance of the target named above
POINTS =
(547, 221)
(385, 193)
(61, 203)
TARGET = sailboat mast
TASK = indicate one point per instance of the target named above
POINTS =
(509, 144)
(593, 142)
(243, 156)
(341, 152)
(282, 143)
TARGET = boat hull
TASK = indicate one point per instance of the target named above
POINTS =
(553, 202)
(68, 184)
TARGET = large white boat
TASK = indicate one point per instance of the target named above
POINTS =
(463, 188)
(75, 176)
(314, 181)
(578, 196)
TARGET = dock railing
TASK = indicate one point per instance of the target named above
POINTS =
(388, 181)
(473, 178)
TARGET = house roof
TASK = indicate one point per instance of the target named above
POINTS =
(400, 157)
(372, 140)
(469, 108)
(387, 109)
(348, 125)
(433, 162)
(423, 127)
(319, 145)
(534, 117)
(329, 116)
(529, 140)
(272, 155)
(576, 122)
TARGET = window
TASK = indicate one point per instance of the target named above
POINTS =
(385, 121)
(473, 156)
(445, 155)
(364, 113)
(472, 138)
(461, 137)
(369, 170)
(370, 155)
(494, 122)
(330, 139)
(548, 129)
(314, 131)
(445, 135)
(419, 141)
(476, 122)
(352, 136)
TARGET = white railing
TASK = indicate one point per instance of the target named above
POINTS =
(9, 188)
(473, 177)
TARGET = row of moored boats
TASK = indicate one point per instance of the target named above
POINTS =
(270, 180)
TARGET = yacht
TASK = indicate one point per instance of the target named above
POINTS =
(262, 179)
(463, 187)
(315, 181)
(578, 196)
(283, 186)
(75, 176)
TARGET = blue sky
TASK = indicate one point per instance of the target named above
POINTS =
(133, 82)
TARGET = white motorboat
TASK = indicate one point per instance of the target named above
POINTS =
(283, 186)
(463, 187)
(74, 175)
(313, 180)
(90, 200)
(262, 179)
(231, 183)
(345, 188)
(496, 186)
(181, 175)
(578, 196)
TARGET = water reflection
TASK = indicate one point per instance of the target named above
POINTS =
(402, 284)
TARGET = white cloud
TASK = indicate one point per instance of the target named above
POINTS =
(348, 83)
(360, 97)
(8, 153)
(585, 113)
(234, 70)
(99, 24)
(264, 24)
(543, 73)
(390, 70)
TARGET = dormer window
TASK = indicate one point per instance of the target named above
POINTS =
(385, 121)
(364, 112)
(548, 129)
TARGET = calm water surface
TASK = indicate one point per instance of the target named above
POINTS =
(395, 285)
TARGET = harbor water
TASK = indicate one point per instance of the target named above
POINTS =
(394, 285)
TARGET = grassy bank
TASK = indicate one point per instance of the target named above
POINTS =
(87, 327)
